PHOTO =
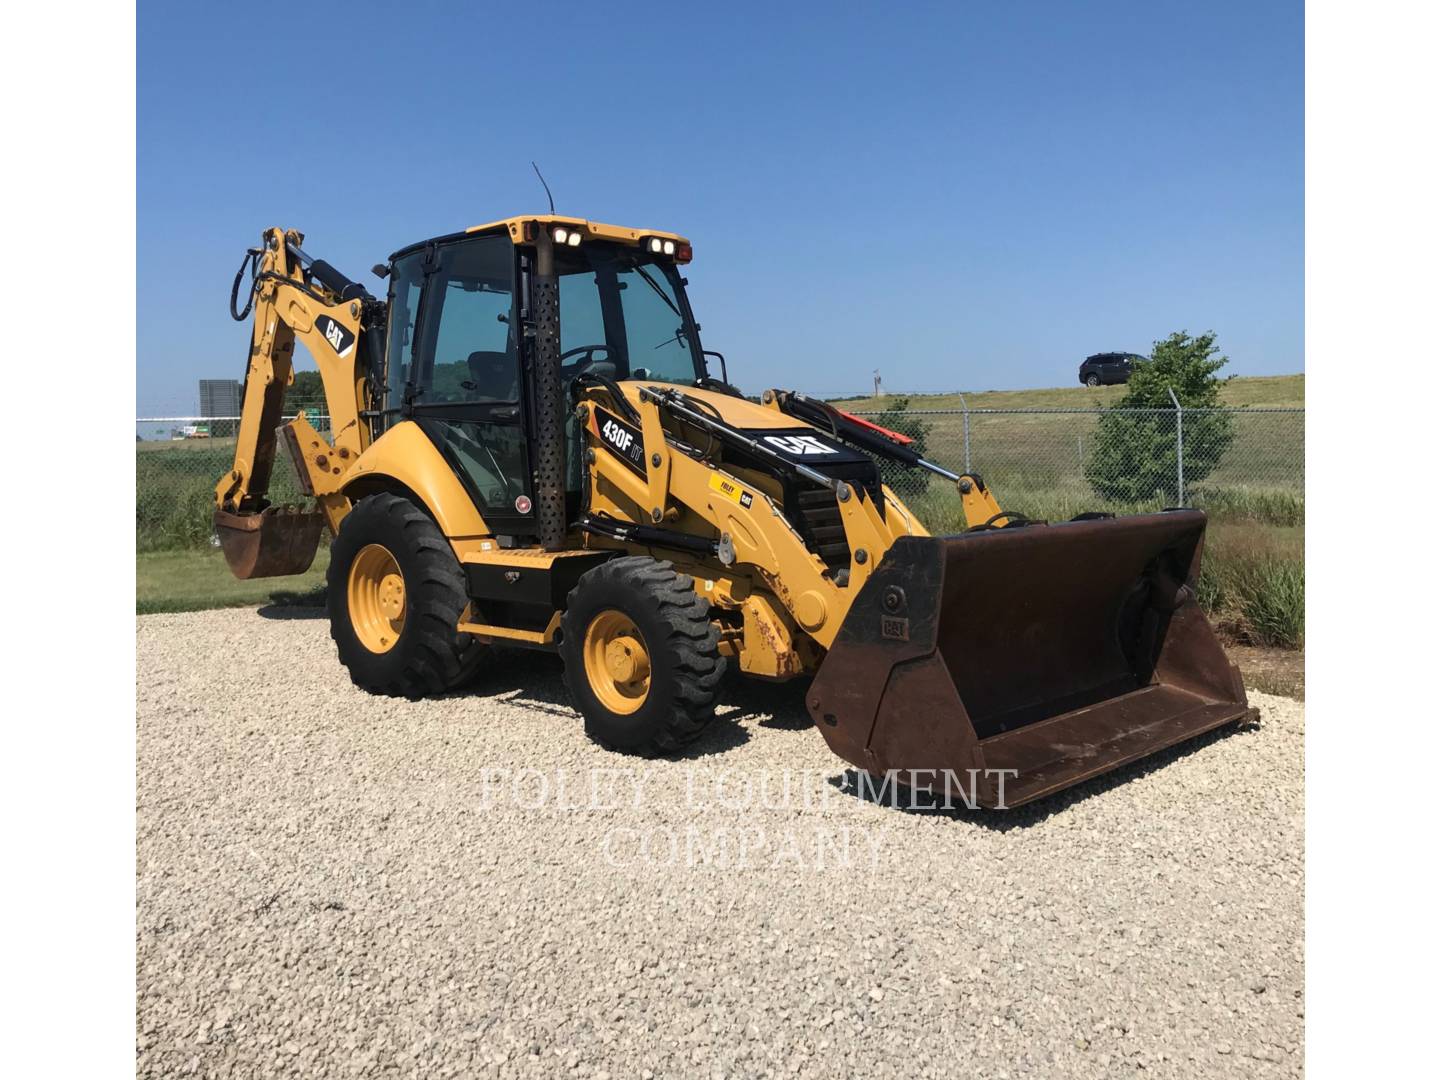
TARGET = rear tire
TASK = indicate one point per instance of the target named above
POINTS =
(1092, 380)
(642, 659)
(395, 592)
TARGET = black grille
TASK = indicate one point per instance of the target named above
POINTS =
(816, 517)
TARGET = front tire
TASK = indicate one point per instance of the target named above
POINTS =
(642, 659)
(395, 593)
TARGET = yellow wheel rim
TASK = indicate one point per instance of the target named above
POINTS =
(376, 593)
(617, 663)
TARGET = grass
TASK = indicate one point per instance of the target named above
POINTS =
(1036, 461)
(198, 579)
(1275, 391)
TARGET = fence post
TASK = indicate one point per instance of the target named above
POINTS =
(965, 408)
(1179, 445)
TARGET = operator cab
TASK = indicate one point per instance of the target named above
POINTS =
(461, 343)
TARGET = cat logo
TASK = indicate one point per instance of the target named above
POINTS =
(799, 445)
(894, 629)
(339, 339)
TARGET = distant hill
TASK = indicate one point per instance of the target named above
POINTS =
(1276, 391)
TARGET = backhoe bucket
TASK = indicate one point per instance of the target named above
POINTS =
(1003, 665)
(279, 540)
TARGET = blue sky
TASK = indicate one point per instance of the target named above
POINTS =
(966, 196)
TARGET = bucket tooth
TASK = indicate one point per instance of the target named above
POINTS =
(1018, 662)
(277, 541)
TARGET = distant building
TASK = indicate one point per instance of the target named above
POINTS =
(219, 397)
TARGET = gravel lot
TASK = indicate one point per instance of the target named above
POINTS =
(330, 884)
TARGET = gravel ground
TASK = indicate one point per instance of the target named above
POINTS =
(331, 884)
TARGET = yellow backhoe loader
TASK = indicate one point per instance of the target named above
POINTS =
(528, 445)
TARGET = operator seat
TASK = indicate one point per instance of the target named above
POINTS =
(496, 376)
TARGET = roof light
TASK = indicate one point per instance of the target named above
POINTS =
(669, 247)
(560, 234)
(655, 245)
(574, 240)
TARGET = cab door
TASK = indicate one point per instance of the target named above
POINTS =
(454, 320)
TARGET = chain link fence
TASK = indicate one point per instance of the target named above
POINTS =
(1246, 463)
(178, 462)
(1056, 463)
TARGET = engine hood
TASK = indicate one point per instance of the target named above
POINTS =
(793, 439)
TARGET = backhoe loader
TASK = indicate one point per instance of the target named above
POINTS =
(528, 445)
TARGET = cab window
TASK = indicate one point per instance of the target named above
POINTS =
(466, 350)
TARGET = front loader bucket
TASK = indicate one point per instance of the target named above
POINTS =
(1037, 657)
(279, 540)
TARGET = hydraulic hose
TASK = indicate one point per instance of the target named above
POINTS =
(252, 260)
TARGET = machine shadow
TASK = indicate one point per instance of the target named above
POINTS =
(898, 798)
(535, 679)
(286, 606)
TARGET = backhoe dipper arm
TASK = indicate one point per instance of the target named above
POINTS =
(296, 297)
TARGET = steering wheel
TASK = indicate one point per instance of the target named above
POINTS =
(579, 366)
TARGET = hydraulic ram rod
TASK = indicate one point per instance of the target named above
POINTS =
(822, 415)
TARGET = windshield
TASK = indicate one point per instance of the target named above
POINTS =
(624, 315)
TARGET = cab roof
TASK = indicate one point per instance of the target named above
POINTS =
(515, 228)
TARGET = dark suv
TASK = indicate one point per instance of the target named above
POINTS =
(1106, 368)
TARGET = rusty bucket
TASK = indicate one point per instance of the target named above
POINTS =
(1008, 664)
(277, 541)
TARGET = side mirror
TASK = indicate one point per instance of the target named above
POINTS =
(724, 375)
(380, 270)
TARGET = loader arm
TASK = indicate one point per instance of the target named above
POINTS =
(292, 298)
(1017, 651)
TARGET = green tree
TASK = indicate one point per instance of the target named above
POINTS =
(898, 417)
(1132, 455)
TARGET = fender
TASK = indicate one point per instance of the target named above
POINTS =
(404, 456)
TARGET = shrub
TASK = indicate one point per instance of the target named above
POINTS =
(898, 417)
(1132, 455)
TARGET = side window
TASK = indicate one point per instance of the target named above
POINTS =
(405, 281)
(467, 342)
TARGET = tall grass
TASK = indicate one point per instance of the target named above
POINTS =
(1252, 582)
(1265, 506)
(1272, 603)
(175, 492)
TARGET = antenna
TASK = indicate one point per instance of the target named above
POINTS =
(546, 186)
